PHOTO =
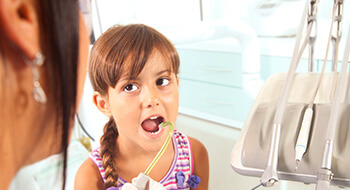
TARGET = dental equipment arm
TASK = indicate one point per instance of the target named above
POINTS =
(303, 137)
(269, 177)
(312, 38)
(324, 175)
(337, 33)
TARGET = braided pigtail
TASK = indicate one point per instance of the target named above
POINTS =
(108, 149)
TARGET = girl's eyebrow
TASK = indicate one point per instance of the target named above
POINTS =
(164, 71)
(128, 78)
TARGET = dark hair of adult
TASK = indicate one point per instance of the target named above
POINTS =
(59, 21)
(59, 41)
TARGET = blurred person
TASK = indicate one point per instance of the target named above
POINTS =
(43, 55)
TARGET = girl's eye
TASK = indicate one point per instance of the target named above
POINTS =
(130, 88)
(162, 82)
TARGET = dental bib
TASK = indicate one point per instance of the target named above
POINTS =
(142, 182)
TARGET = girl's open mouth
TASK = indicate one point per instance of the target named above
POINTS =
(151, 126)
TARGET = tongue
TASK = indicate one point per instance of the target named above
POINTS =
(150, 125)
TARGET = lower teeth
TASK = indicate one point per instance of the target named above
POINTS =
(155, 132)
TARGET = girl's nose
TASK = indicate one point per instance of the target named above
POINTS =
(150, 98)
(152, 102)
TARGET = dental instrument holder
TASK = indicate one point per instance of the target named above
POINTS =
(243, 160)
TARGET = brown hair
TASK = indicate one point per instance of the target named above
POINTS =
(134, 44)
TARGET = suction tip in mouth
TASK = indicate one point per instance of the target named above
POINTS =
(152, 124)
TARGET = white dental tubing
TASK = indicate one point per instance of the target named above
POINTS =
(269, 177)
(301, 145)
(303, 138)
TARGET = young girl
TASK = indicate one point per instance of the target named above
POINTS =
(133, 70)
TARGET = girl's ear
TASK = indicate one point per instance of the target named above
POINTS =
(19, 23)
(102, 104)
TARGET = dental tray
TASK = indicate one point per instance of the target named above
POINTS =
(250, 154)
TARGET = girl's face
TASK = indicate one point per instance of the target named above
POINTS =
(139, 105)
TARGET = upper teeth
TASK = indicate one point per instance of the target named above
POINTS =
(154, 117)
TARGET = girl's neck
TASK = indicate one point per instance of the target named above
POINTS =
(131, 163)
(136, 153)
(128, 150)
